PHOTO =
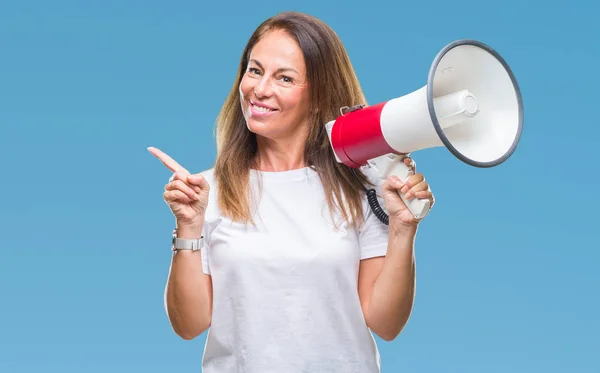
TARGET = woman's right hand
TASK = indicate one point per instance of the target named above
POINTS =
(186, 194)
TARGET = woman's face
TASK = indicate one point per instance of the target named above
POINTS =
(274, 92)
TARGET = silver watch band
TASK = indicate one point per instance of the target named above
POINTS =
(186, 244)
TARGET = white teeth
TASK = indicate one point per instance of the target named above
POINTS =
(260, 108)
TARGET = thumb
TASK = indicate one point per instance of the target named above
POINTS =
(198, 180)
(391, 185)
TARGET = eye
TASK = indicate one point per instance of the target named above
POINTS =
(287, 79)
(253, 70)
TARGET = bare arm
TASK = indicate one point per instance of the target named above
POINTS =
(188, 294)
(387, 285)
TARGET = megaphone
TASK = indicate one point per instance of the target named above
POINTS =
(471, 104)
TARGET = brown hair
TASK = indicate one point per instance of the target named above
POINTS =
(332, 84)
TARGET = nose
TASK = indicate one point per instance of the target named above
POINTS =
(263, 87)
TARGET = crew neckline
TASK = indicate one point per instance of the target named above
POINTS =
(287, 175)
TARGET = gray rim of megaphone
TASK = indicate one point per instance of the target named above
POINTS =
(436, 124)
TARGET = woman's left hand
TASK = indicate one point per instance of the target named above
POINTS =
(414, 187)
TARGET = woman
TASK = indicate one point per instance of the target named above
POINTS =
(288, 278)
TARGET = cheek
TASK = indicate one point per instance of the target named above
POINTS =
(290, 99)
(297, 101)
(244, 87)
(247, 84)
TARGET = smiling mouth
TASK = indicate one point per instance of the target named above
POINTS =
(260, 108)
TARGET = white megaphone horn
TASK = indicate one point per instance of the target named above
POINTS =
(471, 104)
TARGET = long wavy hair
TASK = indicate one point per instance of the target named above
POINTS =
(332, 84)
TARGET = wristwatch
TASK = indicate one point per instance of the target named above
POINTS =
(186, 244)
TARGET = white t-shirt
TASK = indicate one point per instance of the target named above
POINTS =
(285, 291)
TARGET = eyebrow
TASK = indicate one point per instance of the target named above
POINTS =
(281, 69)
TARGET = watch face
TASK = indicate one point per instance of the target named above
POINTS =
(173, 240)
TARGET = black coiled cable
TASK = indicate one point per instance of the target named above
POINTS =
(374, 203)
(376, 207)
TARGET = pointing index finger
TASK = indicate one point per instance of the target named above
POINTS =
(169, 162)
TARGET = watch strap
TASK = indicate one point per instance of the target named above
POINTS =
(186, 243)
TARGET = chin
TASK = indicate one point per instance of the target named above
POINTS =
(256, 126)
(253, 126)
(262, 129)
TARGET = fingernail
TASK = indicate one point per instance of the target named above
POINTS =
(404, 189)
(408, 195)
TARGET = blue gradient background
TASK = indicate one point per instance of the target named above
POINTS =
(507, 261)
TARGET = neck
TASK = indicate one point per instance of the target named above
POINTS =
(280, 155)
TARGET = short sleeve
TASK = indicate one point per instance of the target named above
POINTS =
(373, 234)
(204, 255)
(209, 221)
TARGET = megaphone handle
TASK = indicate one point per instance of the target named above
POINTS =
(418, 207)
(389, 165)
